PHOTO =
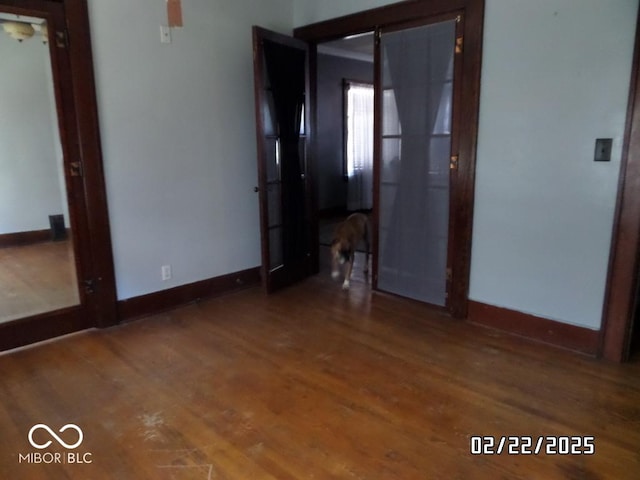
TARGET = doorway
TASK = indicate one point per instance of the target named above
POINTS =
(621, 326)
(415, 90)
(56, 268)
(634, 348)
(633, 351)
(468, 15)
(344, 142)
(469, 18)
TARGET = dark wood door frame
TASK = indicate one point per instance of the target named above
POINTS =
(462, 201)
(622, 281)
(98, 228)
(78, 118)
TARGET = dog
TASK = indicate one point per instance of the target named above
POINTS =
(343, 247)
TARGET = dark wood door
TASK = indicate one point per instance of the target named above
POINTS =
(282, 111)
(61, 33)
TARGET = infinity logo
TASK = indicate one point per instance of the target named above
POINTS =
(53, 434)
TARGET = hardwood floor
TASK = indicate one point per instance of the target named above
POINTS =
(36, 278)
(310, 383)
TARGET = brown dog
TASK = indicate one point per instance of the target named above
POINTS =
(343, 247)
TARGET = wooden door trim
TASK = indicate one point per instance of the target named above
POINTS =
(463, 197)
(622, 280)
(401, 12)
(258, 34)
(377, 149)
(103, 307)
(41, 327)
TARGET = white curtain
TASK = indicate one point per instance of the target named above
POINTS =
(413, 228)
(359, 147)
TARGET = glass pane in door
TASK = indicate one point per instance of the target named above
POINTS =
(417, 78)
(37, 266)
(273, 179)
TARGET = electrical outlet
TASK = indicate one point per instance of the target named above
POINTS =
(166, 272)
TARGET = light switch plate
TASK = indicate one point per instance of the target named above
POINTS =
(165, 34)
(603, 150)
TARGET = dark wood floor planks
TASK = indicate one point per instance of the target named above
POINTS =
(36, 278)
(313, 383)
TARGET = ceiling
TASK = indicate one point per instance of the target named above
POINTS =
(358, 47)
(20, 18)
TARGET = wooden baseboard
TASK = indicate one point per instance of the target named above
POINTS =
(536, 328)
(19, 239)
(41, 327)
(163, 300)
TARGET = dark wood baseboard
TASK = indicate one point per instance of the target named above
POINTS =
(18, 239)
(21, 239)
(38, 328)
(536, 328)
(163, 300)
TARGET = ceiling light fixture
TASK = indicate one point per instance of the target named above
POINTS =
(42, 29)
(18, 30)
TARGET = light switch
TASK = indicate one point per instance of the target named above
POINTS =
(603, 150)
(165, 34)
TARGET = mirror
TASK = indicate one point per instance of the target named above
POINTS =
(37, 266)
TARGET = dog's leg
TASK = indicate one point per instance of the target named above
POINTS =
(335, 271)
(347, 273)
(366, 242)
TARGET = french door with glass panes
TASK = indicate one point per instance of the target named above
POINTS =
(416, 143)
(281, 100)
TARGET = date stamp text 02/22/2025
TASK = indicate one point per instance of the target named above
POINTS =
(528, 445)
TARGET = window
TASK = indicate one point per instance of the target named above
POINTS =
(359, 145)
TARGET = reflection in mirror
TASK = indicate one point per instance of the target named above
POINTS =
(37, 267)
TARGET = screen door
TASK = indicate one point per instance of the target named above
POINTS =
(416, 71)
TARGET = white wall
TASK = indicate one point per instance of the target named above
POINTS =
(178, 141)
(555, 77)
(178, 136)
(30, 157)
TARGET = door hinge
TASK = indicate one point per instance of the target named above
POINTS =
(89, 285)
(62, 38)
(459, 44)
(75, 169)
(449, 274)
(453, 162)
